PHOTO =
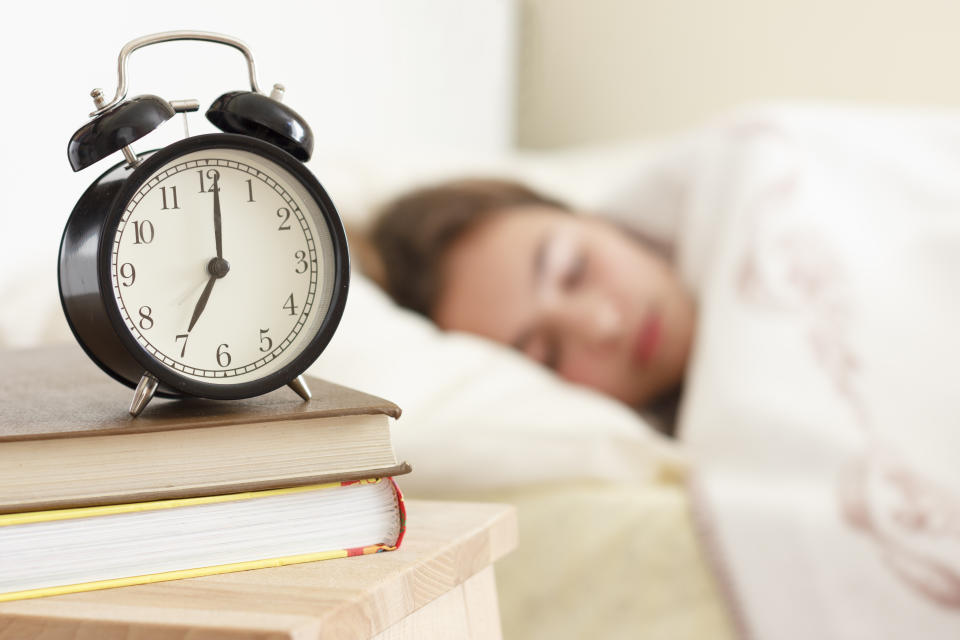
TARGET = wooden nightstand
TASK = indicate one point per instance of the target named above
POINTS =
(439, 584)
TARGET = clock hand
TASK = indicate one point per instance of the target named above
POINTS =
(216, 216)
(201, 303)
(217, 268)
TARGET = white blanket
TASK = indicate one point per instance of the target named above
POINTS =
(823, 405)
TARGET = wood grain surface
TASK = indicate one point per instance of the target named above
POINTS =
(447, 545)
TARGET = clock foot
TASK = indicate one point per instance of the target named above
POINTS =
(143, 394)
(300, 386)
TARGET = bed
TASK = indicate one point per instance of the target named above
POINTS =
(624, 532)
(814, 491)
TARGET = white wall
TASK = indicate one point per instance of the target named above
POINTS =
(366, 74)
(609, 69)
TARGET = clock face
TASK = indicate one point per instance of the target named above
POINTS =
(222, 266)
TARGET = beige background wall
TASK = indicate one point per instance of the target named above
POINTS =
(599, 70)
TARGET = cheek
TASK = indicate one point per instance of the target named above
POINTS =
(600, 372)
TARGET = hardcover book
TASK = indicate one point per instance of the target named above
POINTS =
(70, 550)
(66, 439)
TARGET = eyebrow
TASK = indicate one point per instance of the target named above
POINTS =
(539, 268)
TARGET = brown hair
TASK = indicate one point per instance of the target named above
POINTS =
(413, 234)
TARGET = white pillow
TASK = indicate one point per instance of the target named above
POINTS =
(478, 415)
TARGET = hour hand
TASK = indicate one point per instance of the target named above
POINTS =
(202, 302)
(217, 268)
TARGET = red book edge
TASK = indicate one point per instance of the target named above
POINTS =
(402, 512)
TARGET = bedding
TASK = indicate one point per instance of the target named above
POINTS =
(611, 560)
(822, 406)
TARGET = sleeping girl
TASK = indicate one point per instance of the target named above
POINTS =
(822, 409)
(598, 303)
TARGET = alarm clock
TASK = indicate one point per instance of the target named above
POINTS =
(215, 267)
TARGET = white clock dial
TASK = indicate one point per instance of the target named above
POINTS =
(235, 317)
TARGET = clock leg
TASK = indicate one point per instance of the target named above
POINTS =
(300, 386)
(143, 394)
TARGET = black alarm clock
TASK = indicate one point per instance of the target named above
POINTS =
(215, 267)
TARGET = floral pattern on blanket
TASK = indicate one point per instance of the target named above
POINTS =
(913, 521)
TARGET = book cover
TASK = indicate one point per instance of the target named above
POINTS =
(57, 392)
(66, 439)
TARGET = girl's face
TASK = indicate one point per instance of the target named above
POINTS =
(575, 293)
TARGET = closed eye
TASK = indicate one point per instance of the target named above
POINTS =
(576, 272)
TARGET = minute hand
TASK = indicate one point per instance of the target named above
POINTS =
(216, 217)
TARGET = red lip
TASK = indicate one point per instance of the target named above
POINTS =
(648, 338)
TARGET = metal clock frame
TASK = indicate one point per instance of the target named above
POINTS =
(86, 287)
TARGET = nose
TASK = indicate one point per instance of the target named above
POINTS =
(591, 319)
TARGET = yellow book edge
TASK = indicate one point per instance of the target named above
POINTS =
(86, 512)
(184, 573)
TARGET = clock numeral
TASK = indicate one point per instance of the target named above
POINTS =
(146, 321)
(128, 272)
(301, 257)
(284, 213)
(212, 174)
(223, 358)
(173, 198)
(143, 232)
(265, 338)
(185, 336)
(289, 305)
(250, 190)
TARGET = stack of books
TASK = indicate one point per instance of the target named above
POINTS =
(91, 498)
